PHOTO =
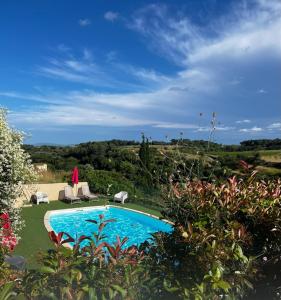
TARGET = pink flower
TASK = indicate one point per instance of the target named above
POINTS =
(7, 237)
(6, 223)
(9, 241)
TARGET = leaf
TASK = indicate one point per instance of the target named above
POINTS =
(168, 288)
(120, 290)
(7, 291)
(53, 237)
(109, 221)
(125, 239)
(92, 221)
(190, 227)
(46, 269)
(92, 294)
(102, 225)
(69, 240)
(99, 247)
(223, 285)
(82, 238)
(110, 249)
(59, 236)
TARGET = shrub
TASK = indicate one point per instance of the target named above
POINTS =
(96, 271)
(107, 182)
(8, 242)
(218, 228)
(15, 170)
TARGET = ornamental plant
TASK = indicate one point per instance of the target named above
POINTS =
(8, 240)
(97, 270)
(15, 170)
(226, 233)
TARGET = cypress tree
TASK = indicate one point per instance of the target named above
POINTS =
(142, 150)
(147, 155)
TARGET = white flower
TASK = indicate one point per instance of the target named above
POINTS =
(15, 170)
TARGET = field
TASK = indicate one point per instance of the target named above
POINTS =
(267, 162)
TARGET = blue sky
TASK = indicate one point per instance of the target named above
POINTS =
(73, 71)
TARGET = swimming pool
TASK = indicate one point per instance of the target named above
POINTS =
(135, 225)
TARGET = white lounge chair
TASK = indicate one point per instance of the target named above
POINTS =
(68, 195)
(41, 197)
(86, 193)
(121, 197)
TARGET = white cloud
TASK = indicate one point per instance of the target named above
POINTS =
(237, 36)
(243, 121)
(176, 126)
(87, 54)
(76, 115)
(111, 16)
(148, 75)
(235, 82)
(111, 56)
(251, 130)
(84, 22)
(211, 61)
(274, 126)
(63, 48)
(217, 128)
(83, 69)
(48, 99)
(262, 91)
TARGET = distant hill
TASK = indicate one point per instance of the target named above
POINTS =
(49, 144)
(247, 145)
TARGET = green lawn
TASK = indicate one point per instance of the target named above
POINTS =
(34, 236)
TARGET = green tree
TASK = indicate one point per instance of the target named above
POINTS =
(142, 150)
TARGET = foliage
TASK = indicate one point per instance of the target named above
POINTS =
(261, 144)
(106, 182)
(146, 178)
(221, 226)
(145, 164)
(15, 170)
(96, 271)
(144, 153)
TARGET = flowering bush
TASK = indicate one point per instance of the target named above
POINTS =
(15, 170)
(8, 240)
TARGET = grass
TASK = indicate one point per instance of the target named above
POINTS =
(271, 156)
(52, 177)
(34, 237)
(268, 170)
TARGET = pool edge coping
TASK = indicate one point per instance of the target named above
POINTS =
(50, 228)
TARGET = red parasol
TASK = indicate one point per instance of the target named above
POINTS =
(75, 176)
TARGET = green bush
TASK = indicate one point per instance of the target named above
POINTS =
(226, 240)
(107, 182)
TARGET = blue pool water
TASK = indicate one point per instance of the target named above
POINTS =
(136, 226)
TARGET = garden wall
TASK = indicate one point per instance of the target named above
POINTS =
(55, 191)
